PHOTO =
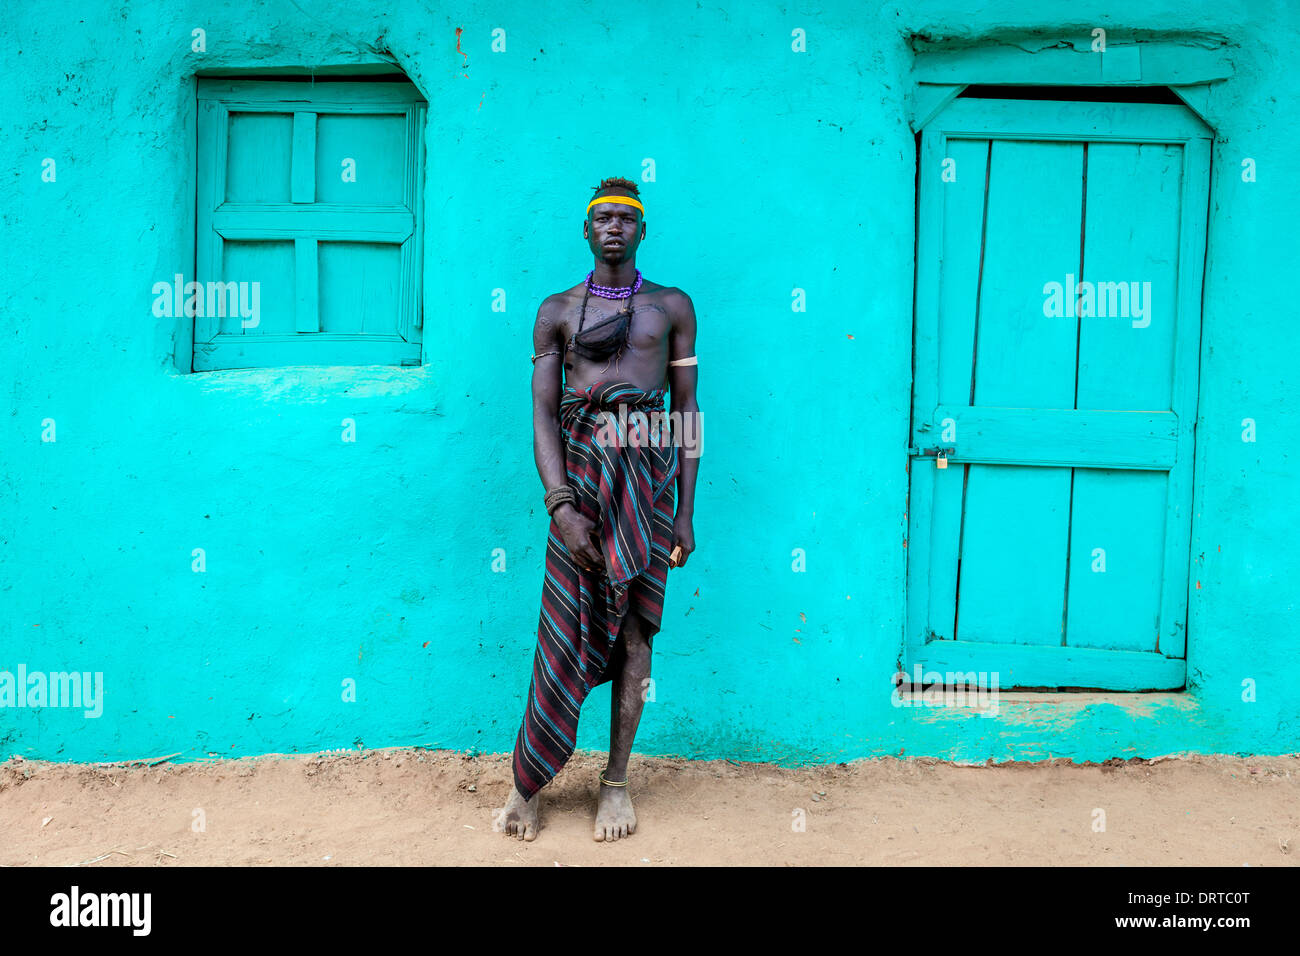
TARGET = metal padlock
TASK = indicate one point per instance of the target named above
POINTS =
(942, 460)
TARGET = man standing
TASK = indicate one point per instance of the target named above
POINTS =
(609, 483)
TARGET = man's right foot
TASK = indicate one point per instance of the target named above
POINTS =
(519, 817)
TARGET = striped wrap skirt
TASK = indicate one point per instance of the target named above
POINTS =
(622, 463)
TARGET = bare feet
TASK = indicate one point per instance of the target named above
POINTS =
(519, 817)
(615, 818)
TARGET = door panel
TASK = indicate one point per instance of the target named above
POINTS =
(1012, 568)
(1116, 555)
(1034, 200)
(1132, 230)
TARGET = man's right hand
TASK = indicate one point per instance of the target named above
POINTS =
(579, 537)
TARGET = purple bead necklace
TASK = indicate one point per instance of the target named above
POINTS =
(613, 291)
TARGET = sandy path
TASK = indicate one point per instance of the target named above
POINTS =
(416, 807)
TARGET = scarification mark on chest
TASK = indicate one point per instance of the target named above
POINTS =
(570, 326)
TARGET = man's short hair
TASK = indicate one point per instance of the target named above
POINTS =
(614, 182)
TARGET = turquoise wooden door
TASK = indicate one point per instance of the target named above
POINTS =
(1053, 548)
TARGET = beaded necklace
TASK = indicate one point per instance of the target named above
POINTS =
(613, 291)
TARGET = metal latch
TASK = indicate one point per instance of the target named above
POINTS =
(940, 455)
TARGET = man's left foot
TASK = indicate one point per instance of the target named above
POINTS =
(615, 818)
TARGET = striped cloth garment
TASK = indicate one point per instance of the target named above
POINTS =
(623, 473)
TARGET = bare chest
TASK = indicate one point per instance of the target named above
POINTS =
(647, 332)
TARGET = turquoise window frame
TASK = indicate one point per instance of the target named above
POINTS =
(306, 222)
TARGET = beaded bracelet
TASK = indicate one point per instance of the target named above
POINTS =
(559, 491)
(558, 496)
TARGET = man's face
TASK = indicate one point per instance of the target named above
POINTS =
(613, 231)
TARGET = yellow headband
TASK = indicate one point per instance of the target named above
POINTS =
(625, 200)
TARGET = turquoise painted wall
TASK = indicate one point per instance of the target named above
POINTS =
(372, 560)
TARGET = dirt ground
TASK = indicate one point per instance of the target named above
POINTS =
(420, 807)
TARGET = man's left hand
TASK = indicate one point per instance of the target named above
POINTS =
(683, 538)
